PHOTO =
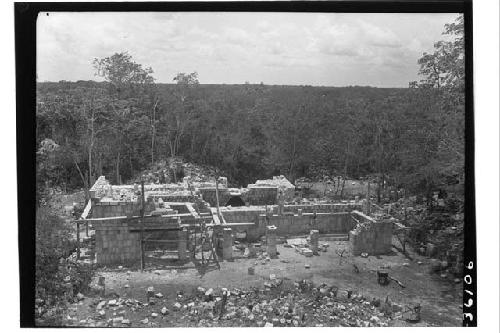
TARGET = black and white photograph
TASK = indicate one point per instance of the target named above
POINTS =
(253, 168)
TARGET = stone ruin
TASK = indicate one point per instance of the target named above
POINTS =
(174, 211)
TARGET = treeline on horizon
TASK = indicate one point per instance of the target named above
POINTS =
(410, 137)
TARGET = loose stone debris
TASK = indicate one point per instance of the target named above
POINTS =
(278, 304)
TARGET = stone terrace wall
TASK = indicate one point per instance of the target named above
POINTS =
(118, 241)
(247, 215)
(293, 224)
(187, 197)
(115, 243)
(119, 208)
(370, 236)
(259, 196)
(323, 208)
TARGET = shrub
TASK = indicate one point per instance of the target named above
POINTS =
(58, 278)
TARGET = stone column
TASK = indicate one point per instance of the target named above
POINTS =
(227, 244)
(281, 202)
(182, 245)
(271, 241)
(314, 238)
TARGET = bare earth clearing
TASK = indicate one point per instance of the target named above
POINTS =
(440, 298)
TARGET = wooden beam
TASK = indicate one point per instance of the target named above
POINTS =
(77, 241)
(160, 241)
(145, 217)
(142, 225)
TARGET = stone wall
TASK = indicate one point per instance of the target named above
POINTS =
(119, 208)
(187, 197)
(291, 224)
(370, 236)
(287, 189)
(115, 243)
(323, 208)
(260, 196)
(247, 215)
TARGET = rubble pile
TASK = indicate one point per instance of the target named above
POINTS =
(304, 247)
(162, 172)
(280, 302)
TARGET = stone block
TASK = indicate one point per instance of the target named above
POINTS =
(314, 239)
(271, 241)
(182, 244)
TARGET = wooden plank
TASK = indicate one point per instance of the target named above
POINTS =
(160, 241)
(86, 211)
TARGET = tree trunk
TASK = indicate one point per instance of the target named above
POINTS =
(342, 188)
(91, 179)
(118, 169)
(429, 198)
(130, 164)
(345, 171)
(379, 188)
(84, 180)
(172, 148)
(153, 133)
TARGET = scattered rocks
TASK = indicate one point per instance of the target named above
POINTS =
(100, 305)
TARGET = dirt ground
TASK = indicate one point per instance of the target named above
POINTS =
(440, 298)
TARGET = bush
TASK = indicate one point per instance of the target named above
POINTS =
(58, 278)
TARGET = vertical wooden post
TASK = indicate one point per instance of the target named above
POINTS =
(404, 204)
(217, 195)
(142, 225)
(87, 228)
(195, 243)
(77, 240)
(202, 232)
(368, 200)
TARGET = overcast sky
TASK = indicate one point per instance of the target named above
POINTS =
(275, 48)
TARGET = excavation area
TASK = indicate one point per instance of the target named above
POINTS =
(167, 255)
(321, 290)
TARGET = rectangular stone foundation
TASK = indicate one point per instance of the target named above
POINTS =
(289, 225)
(372, 237)
(115, 243)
